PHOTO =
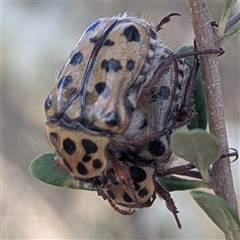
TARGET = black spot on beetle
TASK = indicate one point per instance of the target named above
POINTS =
(86, 158)
(156, 148)
(82, 169)
(65, 81)
(67, 165)
(53, 137)
(69, 146)
(143, 192)
(97, 163)
(112, 119)
(132, 34)
(108, 42)
(103, 89)
(89, 146)
(111, 65)
(93, 26)
(93, 39)
(137, 174)
(48, 102)
(127, 198)
(110, 194)
(136, 187)
(164, 92)
(130, 65)
(100, 87)
(180, 72)
(76, 59)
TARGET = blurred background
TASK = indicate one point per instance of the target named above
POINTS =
(37, 38)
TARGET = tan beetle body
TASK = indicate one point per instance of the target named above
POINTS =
(108, 94)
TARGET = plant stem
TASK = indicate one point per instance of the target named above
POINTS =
(207, 38)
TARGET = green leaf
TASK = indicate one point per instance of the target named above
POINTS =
(173, 183)
(198, 101)
(220, 212)
(227, 9)
(232, 32)
(197, 147)
(44, 169)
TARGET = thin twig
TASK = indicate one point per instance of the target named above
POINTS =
(207, 38)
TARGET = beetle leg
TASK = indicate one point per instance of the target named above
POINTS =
(184, 170)
(165, 20)
(233, 154)
(163, 67)
(123, 178)
(165, 195)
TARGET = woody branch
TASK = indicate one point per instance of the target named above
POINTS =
(207, 38)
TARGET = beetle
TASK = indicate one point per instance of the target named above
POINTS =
(122, 92)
